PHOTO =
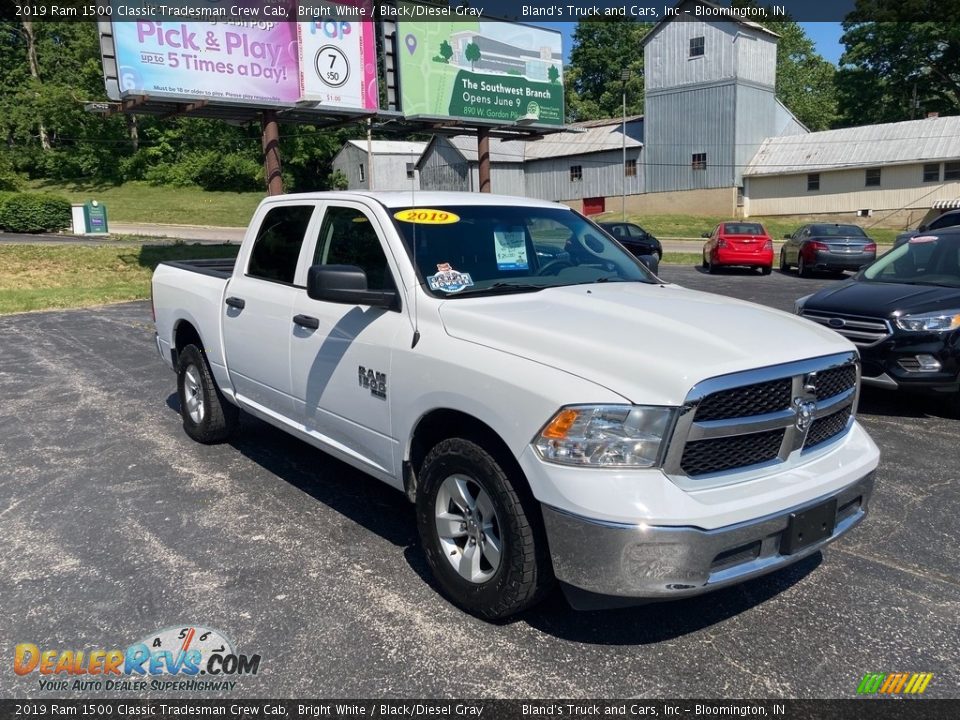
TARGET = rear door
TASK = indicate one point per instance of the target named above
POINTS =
(257, 313)
(341, 370)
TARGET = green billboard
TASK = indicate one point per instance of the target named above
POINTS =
(488, 71)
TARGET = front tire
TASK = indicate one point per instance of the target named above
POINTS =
(784, 265)
(482, 534)
(208, 417)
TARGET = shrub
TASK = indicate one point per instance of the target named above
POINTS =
(34, 212)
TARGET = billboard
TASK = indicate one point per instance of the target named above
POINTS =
(483, 70)
(263, 63)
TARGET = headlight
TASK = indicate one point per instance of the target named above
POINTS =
(799, 303)
(605, 435)
(939, 321)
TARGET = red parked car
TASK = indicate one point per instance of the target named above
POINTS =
(738, 243)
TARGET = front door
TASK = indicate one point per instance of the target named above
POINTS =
(341, 370)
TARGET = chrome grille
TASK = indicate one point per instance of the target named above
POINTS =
(862, 331)
(750, 400)
(738, 424)
(709, 456)
(827, 427)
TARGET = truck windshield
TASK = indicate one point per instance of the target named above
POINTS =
(469, 250)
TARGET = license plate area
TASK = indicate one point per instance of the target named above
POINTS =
(808, 527)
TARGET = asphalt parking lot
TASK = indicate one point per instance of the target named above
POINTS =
(116, 525)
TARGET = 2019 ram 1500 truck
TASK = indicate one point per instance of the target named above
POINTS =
(552, 408)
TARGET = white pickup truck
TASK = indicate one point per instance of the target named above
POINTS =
(553, 409)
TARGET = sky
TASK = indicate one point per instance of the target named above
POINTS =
(825, 36)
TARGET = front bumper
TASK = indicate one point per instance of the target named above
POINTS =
(660, 562)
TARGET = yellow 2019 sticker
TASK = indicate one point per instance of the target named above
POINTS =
(427, 216)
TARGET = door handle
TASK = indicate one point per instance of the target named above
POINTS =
(306, 321)
(235, 302)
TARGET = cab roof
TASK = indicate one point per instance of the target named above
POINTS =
(420, 198)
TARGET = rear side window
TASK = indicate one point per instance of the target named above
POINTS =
(277, 247)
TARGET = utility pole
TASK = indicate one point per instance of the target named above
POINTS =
(483, 156)
(369, 153)
(271, 152)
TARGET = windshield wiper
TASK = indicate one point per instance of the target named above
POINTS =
(501, 288)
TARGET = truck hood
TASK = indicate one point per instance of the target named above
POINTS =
(879, 299)
(648, 343)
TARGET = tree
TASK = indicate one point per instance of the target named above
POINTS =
(805, 80)
(601, 50)
(553, 74)
(446, 52)
(472, 53)
(888, 64)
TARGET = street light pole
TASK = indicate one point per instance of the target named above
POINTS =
(624, 76)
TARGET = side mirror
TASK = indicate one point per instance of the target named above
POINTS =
(704, 235)
(346, 284)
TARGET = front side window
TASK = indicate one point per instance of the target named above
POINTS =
(576, 173)
(872, 176)
(497, 249)
(347, 237)
(696, 47)
(277, 247)
(931, 172)
(698, 161)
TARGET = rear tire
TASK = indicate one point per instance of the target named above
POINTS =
(482, 532)
(766, 269)
(784, 265)
(802, 269)
(711, 268)
(208, 417)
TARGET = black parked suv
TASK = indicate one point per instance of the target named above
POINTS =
(638, 241)
(903, 312)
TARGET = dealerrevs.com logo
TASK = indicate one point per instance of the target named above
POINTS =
(179, 658)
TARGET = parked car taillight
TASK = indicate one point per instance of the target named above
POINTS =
(768, 245)
(721, 243)
(870, 247)
(817, 246)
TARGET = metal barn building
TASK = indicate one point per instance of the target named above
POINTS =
(895, 172)
(394, 164)
(581, 167)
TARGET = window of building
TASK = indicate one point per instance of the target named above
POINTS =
(813, 182)
(872, 176)
(739, 195)
(409, 170)
(630, 168)
(698, 161)
(361, 172)
(277, 247)
(696, 46)
(951, 171)
(576, 173)
(931, 172)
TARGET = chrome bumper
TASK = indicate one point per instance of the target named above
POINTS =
(659, 563)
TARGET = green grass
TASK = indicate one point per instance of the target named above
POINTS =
(140, 202)
(44, 277)
(693, 226)
(676, 258)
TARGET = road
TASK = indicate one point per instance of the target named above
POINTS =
(115, 525)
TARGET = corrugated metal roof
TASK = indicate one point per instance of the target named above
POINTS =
(723, 14)
(391, 147)
(594, 136)
(500, 151)
(888, 144)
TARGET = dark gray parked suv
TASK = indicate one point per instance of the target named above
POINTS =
(948, 219)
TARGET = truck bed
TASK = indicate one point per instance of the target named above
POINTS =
(215, 267)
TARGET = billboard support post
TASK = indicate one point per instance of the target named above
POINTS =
(271, 152)
(483, 155)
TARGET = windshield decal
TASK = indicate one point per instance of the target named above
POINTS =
(510, 246)
(426, 216)
(449, 280)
